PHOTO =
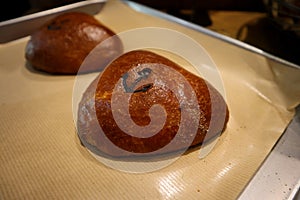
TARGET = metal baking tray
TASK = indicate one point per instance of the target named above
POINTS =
(278, 177)
(22, 26)
(272, 180)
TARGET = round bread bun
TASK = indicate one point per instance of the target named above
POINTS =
(61, 44)
(129, 88)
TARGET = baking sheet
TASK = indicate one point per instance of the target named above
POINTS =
(41, 156)
(277, 177)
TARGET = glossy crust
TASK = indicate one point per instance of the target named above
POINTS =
(61, 45)
(96, 108)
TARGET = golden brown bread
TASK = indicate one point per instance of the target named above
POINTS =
(61, 44)
(136, 82)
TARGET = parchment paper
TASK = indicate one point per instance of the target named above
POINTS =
(41, 156)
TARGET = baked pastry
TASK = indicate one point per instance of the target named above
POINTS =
(145, 104)
(61, 45)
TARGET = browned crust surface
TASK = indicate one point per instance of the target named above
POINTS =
(61, 45)
(96, 109)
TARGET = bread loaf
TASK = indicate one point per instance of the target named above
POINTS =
(145, 104)
(61, 44)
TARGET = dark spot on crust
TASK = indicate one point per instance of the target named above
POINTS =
(143, 74)
(57, 25)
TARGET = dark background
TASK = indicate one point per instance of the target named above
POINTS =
(16, 8)
(265, 32)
